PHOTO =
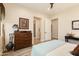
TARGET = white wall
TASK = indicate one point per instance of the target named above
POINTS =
(65, 21)
(13, 12)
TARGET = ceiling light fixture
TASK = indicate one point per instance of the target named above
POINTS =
(51, 6)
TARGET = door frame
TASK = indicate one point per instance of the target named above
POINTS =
(34, 27)
(51, 26)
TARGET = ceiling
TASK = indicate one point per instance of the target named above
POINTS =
(43, 7)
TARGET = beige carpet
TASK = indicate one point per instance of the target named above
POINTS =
(21, 52)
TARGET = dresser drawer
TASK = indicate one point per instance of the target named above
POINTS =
(22, 39)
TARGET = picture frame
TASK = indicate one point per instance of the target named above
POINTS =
(23, 23)
(75, 25)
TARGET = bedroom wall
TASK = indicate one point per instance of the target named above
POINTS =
(65, 21)
(13, 12)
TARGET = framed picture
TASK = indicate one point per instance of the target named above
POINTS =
(75, 25)
(23, 23)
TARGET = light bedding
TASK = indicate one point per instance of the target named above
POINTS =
(63, 50)
(46, 47)
(53, 48)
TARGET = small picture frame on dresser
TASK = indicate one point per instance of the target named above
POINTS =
(23, 23)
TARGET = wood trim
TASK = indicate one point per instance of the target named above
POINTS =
(34, 28)
(37, 18)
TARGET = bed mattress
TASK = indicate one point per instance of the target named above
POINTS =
(43, 49)
(63, 50)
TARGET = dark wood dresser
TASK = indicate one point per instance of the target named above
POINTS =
(22, 39)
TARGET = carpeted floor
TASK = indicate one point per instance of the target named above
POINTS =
(21, 52)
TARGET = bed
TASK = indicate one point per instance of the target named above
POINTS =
(53, 48)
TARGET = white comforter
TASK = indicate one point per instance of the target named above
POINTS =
(53, 48)
(63, 50)
(43, 49)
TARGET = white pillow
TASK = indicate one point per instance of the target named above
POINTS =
(76, 35)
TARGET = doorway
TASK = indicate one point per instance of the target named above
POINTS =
(54, 29)
(37, 30)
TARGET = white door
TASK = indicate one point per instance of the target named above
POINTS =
(37, 30)
(54, 29)
(47, 30)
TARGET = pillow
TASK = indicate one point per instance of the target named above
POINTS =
(75, 51)
(76, 35)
